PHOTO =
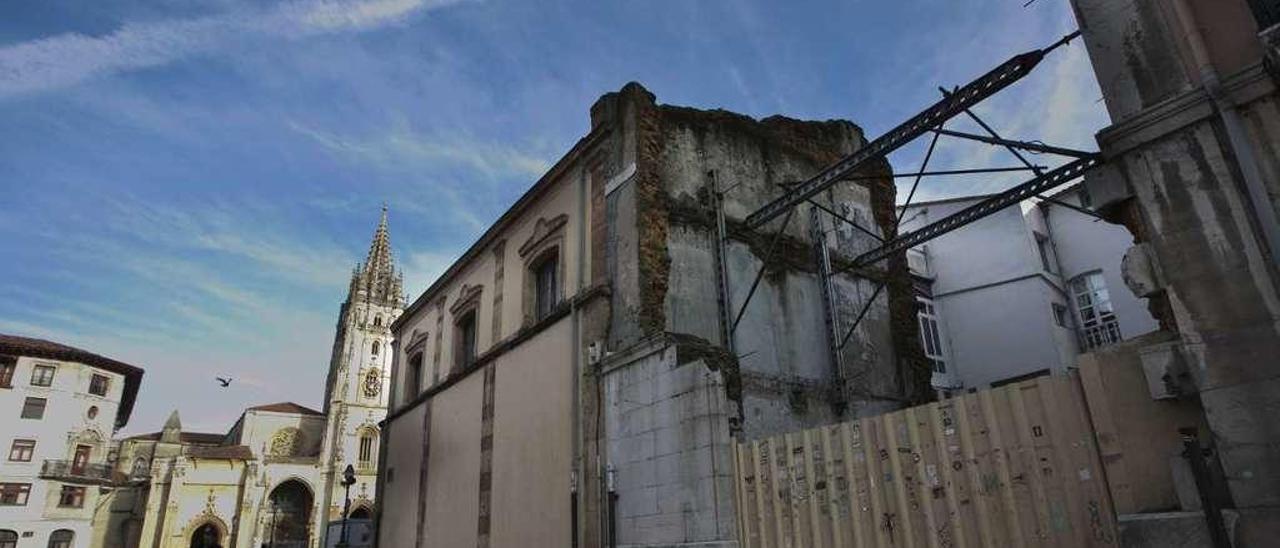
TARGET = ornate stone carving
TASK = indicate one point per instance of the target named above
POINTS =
(372, 383)
(287, 442)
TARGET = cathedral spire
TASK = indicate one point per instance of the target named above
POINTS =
(377, 279)
(172, 431)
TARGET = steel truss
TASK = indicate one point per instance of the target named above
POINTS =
(928, 121)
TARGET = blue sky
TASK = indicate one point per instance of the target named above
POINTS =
(186, 185)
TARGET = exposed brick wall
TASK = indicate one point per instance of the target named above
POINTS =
(651, 210)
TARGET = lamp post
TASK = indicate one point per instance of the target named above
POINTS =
(348, 479)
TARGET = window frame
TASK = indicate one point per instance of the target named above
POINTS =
(22, 443)
(8, 538)
(545, 299)
(465, 348)
(36, 375)
(932, 342)
(366, 448)
(44, 404)
(413, 377)
(62, 538)
(76, 498)
(1103, 328)
(8, 367)
(20, 491)
(106, 384)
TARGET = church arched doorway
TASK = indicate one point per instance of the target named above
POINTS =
(290, 515)
(206, 536)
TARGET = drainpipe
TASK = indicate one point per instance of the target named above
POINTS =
(1237, 137)
(576, 471)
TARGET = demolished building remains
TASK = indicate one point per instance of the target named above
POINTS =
(579, 374)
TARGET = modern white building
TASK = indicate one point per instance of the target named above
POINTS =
(1022, 292)
(58, 409)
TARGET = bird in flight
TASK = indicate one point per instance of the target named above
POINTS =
(224, 382)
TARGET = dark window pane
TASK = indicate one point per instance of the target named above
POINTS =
(98, 385)
(33, 408)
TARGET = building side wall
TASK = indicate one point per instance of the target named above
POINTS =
(1003, 331)
(453, 462)
(403, 463)
(532, 442)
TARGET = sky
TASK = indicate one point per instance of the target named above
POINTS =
(186, 185)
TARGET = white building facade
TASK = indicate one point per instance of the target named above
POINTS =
(59, 407)
(1022, 292)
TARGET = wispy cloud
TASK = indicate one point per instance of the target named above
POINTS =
(67, 59)
(400, 146)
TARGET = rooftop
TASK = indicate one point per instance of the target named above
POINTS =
(285, 407)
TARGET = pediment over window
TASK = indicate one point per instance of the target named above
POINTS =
(416, 339)
(542, 230)
(468, 296)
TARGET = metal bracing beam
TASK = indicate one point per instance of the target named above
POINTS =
(861, 314)
(764, 263)
(1029, 189)
(1024, 145)
(829, 305)
(967, 96)
(1012, 147)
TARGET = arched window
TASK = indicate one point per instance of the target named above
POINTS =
(375, 348)
(377, 321)
(61, 538)
(8, 539)
(368, 444)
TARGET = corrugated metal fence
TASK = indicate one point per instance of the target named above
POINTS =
(1010, 466)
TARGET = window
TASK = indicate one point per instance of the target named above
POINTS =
(368, 439)
(42, 375)
(413, 381)
(7, 365)
(377, 321)
(931, 335)
(92, 413)
(98, 385)
(1098, 324)
(546, 285)
(1046, 252)
(465, 350)
(1060, 316)
(14, 494)
(33, 408)
(374, 349)
(72, 496)
(21, 450)
(62, 538)
(8, 538)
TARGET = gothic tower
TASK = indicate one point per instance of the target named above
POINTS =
(359, 378)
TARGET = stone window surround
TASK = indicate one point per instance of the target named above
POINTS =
(467, 302)
(548, 237)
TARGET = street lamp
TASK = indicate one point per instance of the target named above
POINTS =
(348, 479)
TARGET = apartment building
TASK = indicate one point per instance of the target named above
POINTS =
(1023, 292)
(61, 405)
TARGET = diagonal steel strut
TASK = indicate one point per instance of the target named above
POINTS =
(1048, 180)
(971, 94)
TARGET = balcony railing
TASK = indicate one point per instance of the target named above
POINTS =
(65, 470)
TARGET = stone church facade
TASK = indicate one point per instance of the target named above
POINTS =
(275, 477)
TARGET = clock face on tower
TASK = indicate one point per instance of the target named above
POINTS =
(372, 383)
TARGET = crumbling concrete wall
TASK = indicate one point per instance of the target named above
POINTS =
(672, 394)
